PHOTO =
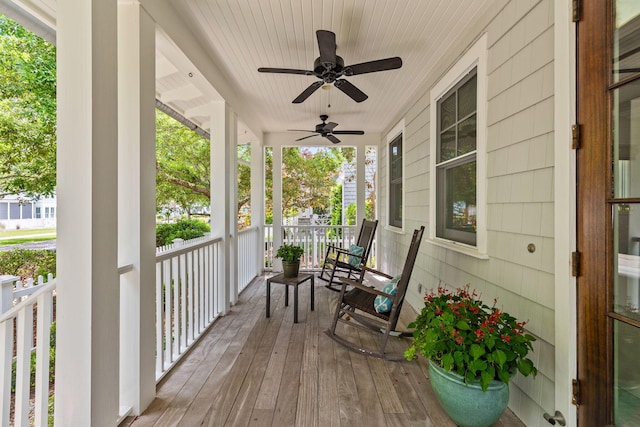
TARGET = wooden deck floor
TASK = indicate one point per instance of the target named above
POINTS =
(252, 371)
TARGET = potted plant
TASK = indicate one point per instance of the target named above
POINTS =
(290, 255)
(472, 349)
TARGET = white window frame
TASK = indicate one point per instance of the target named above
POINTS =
(397, 130)
(476, 56)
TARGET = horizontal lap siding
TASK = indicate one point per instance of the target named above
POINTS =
(520, 199)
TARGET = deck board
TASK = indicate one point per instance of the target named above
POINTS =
(249, 370)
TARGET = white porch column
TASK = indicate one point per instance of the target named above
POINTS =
(277, 204)
(88, 289)
(136, 204)
(221, 147)
(232, 161)
(257, 198)
(361, 176)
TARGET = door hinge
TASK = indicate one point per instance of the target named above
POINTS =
(575, 264)
(575, 392)
(575, 136)
(576, 6)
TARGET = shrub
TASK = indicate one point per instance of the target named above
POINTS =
(28, 263)
(185, 229)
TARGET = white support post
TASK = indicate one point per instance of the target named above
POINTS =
(361, 157)
(6, 292)
(232, 141)
(257, 199)
(277, 204)
(220, 196)
(136, 205)
(88, 292)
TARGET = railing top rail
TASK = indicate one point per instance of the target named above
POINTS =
(186, 247)
(30, 300)
(248, 230)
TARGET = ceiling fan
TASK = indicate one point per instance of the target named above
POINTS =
(329, 68)
(325, 130)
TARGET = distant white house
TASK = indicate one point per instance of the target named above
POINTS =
(18, 212)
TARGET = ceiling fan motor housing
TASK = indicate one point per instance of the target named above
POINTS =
(328, 72)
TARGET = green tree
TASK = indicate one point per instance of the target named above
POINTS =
(182, 166)
(27, 112)
(183, 169)
(308, 175)
(336, 205)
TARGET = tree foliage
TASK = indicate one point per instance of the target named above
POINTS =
(182, 166)
(27, 112)
(308, 175)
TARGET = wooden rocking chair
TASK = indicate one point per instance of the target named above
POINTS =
(345, 263)
(358, 305)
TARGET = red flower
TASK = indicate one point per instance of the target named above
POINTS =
(459, 340)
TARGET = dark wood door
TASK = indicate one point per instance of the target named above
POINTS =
(608, 223)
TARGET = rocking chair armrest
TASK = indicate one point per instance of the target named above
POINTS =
(378, 272)
(368, 289)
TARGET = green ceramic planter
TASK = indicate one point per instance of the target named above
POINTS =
(466, 404)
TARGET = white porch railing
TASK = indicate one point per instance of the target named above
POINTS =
(248, 253)
(314, 239)
(19, 318)
(187, 283)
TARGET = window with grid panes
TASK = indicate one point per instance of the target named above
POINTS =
(456, 162)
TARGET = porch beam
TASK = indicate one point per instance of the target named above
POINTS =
(88, 290)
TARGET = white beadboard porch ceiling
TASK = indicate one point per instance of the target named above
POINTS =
(241, 35)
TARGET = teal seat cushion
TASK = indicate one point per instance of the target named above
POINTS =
(383, 304)
(355, 255)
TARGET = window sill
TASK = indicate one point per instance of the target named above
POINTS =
(393, 229)
(458, 247)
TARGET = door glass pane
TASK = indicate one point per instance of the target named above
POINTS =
(627, 247)
(626, 371)
(626, 140)
(626, 35)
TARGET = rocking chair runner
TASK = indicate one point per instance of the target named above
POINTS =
(361, 299)
(345, 263)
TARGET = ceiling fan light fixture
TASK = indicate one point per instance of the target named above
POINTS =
(326, 86)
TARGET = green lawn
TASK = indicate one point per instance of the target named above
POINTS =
(12, 237)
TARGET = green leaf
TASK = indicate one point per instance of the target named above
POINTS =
(476, 351)
(504, 376)
(525, 366)
(485, 380)
(447, 361)
(499, 357)
(463, 325)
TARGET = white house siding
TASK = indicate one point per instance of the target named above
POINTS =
(520, 182)
(16, 213)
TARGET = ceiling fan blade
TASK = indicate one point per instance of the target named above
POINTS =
(305, 137)
(351, 91)
(300, 130)
(308, 91)
(373, 66)
(284, 71)
(348, 132)
(332, 139)
(328, 127)
(327, 47)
